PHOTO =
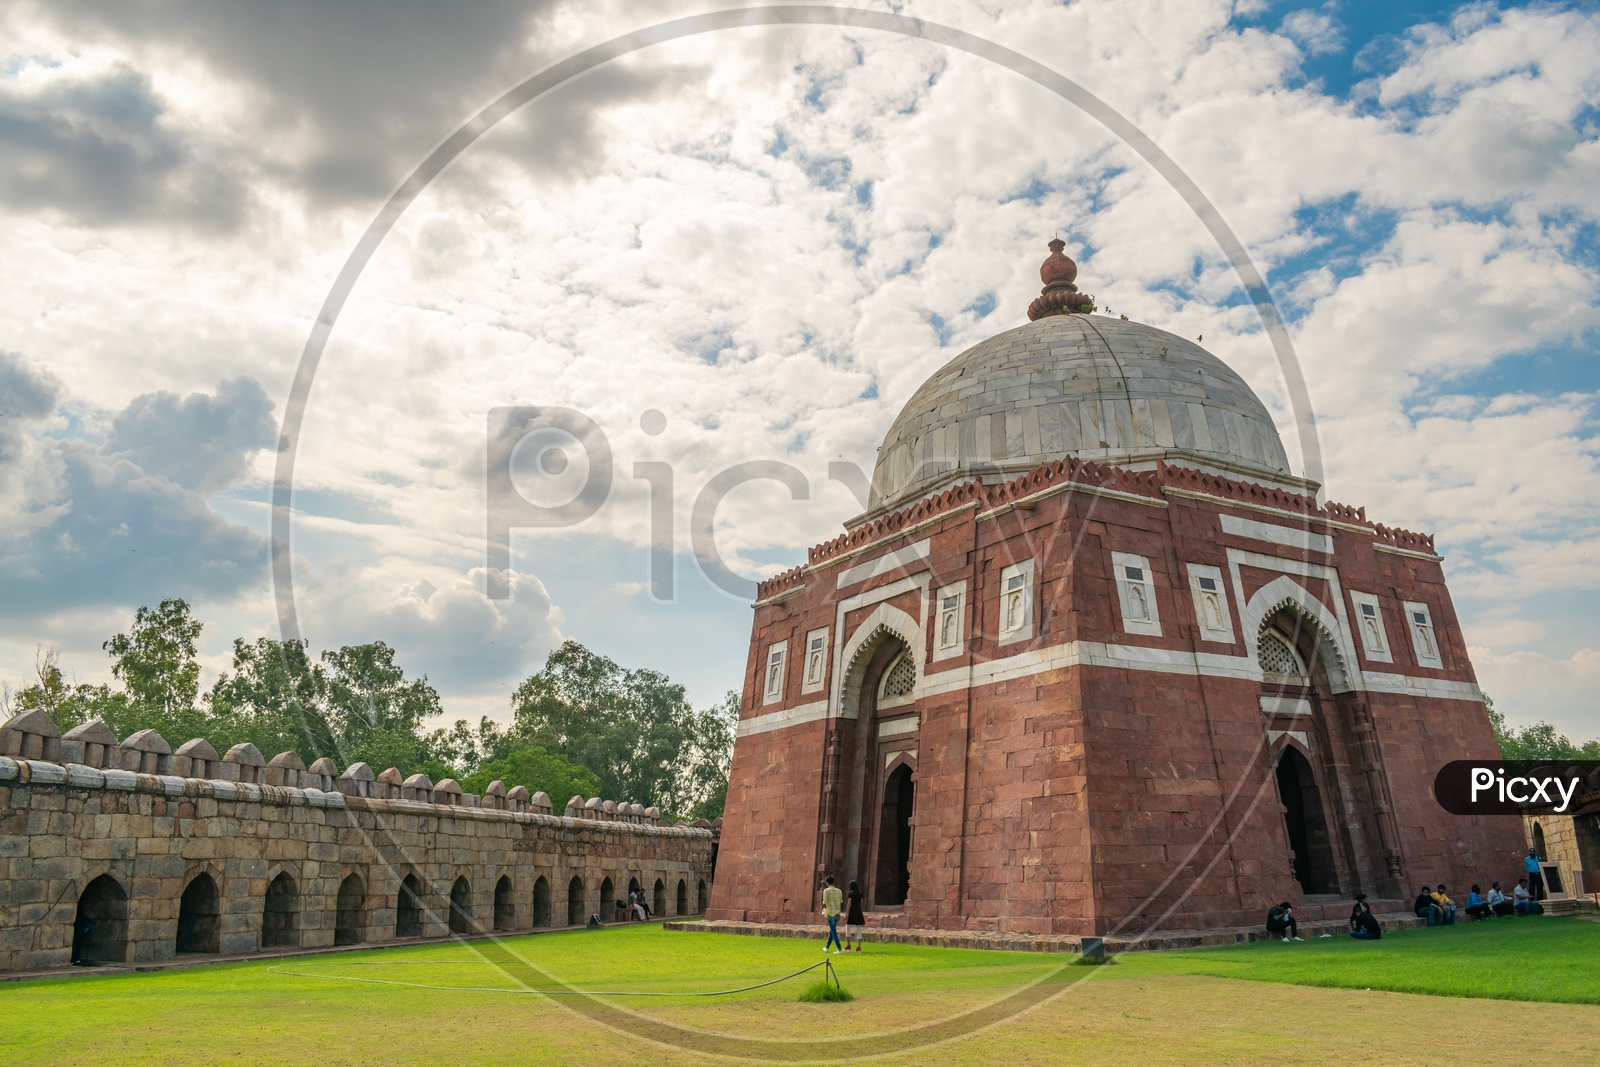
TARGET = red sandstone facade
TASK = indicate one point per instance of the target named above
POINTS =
(1101, 700)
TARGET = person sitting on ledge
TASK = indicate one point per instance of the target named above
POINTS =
(1525, 904)
(1445, 905)
(1363, 924)
(1498, 902)
(1427, 909)
(1281, 921)
(1477, 907)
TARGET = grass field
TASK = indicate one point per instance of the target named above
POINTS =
(1261, 1003)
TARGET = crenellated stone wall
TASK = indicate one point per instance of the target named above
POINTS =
(184, 851)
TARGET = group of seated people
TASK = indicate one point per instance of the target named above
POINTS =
(1436, 906)
(1433, 904)
(1363, 924)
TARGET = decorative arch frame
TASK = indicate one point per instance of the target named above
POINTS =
(1284, 592)
(283, 868)
(886, 620)
(198, 867)
(901, 759)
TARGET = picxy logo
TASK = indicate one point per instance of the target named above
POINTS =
(1511, 787)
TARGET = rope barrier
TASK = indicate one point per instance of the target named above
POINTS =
(828, 964)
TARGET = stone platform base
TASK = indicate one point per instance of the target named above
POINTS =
(1001, 942)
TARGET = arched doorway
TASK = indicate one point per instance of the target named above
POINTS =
(658, 899)
(683, 897)
(1538, 842)
(1306, 824)
(575, 901)
(408, 908)
(461, 907)
(541, 901)
(199, 917)
(700, 897)
(867, 791)
(894, 838)
(100, 928)
(505, 909)
(350, 918)
(608, 901)
(280, 918)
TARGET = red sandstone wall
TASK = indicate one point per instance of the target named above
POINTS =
(1091, 798)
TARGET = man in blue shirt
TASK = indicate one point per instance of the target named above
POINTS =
(1530, 864)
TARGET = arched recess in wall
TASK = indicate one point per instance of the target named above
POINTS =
(575, 903)
(408, 908)
(280, 913)
(350, 915)
(461, 907)
(892, 873)
(541, 901)
(1285, 594)
(683, 898)
(100, 927)
(505, 907)
(1306, 823)
(608, 900)
(886, 622)
(658, 899)
(199, 916)
(700, 896)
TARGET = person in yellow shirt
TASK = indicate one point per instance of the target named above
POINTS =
(832, 905)
(1446, 906)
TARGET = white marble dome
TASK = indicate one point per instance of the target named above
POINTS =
(1091, 386)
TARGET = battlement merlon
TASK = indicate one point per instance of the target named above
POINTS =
(33, 751)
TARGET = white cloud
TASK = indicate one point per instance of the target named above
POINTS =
(773, 236)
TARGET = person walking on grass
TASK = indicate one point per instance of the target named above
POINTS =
(1281, 921)
(1363, 924)
(855, 923)
(832, 904)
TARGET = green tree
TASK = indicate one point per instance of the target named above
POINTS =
(274, 698)
(1540, 741)
(68, 704)
(155, 661)
(634, 729)
(536, 769)
(375, 712)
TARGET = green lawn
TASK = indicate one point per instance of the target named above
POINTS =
(459, 1003)
(1547, 959)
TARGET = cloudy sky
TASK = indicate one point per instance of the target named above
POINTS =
(752, 245)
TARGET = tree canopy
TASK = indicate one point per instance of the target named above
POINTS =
(582, 725)
(1540, 741)
(633, 728)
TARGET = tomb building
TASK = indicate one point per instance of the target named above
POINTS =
(1096, 662)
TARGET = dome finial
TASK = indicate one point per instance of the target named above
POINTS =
(1059, 296)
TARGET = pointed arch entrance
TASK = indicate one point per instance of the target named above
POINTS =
(1305, 822)
(893, 876)
(1337, 816)
(869, 778)
(100, 929)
